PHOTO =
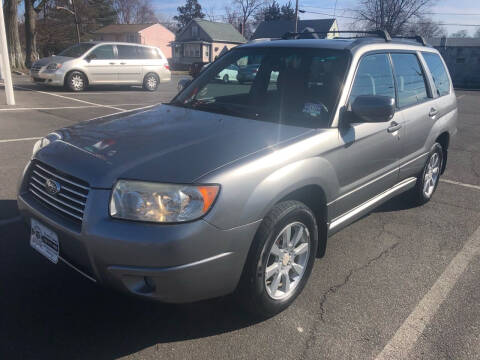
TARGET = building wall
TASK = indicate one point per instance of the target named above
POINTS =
(158, 35)
(463, 64)
(218, 47)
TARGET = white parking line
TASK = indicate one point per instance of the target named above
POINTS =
(407, 335)
(22, 139)
(460, 96)
(476, 187)
(10, 221)
(69, 98)
(65, 107)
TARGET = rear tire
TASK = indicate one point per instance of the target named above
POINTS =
(280, 259)
(151, 82)
(76, 81)
(427, 181)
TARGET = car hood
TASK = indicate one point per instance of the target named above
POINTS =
(164, 144)
(53, 59)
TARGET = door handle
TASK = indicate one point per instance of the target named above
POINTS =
(433, 112)
(122, 63)
(112, 63)
(394, 126)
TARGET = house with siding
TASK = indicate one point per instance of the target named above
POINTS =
(277, 28)
(203, 41)
(145, 34)
(462, 56)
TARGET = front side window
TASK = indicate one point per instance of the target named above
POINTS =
(374, 77)
(104, 52)
(439, 73)
(291, 86)
(410, 79)
(127, 52)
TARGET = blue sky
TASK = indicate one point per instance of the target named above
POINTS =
(169, 8)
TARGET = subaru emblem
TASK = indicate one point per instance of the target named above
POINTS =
(52, 187)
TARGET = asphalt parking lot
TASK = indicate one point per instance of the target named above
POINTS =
(401, 283)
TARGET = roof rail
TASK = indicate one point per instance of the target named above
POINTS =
(380, 33)
(417, 38)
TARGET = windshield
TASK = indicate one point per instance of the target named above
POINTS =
(295, 86)
(76, 51)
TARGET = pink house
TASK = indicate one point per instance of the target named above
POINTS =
(146, 34)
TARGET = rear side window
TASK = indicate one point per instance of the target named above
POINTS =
(127, 52)
(148, 53)
(410, 80)
(438, 71)
(374, 77)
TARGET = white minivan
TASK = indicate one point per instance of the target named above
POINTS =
(103, 63)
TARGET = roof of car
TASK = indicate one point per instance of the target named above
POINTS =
(114, 43)
(338, 43)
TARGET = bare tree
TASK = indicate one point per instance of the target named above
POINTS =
(246, 9)
(10, 8)
(135, 11)
(460, 34)
(32, 9)
(425, 27)
(391, 15)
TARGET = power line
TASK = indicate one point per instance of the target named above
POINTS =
(428, 13)
(358, 18)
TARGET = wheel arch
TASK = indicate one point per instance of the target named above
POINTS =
(444, 140)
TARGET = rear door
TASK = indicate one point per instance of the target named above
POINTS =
(102, 66)
(416, 107)
(130, 69)
(367, 164)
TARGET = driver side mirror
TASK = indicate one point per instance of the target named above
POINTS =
(182, 84)
(90, 57)
(370, 108)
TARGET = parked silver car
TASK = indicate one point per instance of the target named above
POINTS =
(236, 188)
(103, 63)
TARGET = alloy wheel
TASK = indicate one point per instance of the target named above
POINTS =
(77, 82)
(430, 177)
(287, 260)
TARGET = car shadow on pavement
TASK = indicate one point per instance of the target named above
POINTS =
(8, 209)
(97, 88)
(50, 311)
(403, 201)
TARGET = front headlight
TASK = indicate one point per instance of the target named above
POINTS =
(163, 203)
(54, 66)
(47, 140)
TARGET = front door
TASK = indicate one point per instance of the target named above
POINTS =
(131, 64)
(367, 161)
(102, 65)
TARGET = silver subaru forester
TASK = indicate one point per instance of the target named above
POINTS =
(103, 63)
(235, 187)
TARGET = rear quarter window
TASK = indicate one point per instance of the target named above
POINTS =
(439, 73)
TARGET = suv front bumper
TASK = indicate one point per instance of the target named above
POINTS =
(173, 263)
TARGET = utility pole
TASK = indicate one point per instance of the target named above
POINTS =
(296, 16)
(74, 13)
(5, 61)
(76, 20)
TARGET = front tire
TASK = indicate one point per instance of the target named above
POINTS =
(226, 80)
(280, 260)
(151, 82)
(427, 182)
(76, 81)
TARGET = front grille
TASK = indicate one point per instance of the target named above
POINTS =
(35, 68)
(72, 193)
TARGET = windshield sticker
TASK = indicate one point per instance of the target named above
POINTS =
(315, 110)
